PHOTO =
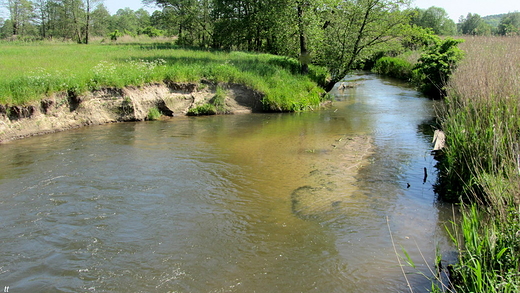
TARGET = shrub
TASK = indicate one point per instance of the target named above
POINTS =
(154, 114)
(436, 65)
(393, 67)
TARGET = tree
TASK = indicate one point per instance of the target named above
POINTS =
(191, 19)
(356, 29)
(510, 24)
(436, 66)
(474, 25)
(437, 19)
(21, 14)
(126, 21)
(143, 19)
(100, 20)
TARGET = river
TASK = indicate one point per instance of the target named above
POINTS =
(302, 202)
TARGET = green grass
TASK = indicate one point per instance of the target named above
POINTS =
(31, 72)
(394, 66)
(154, 114)
(481, 164)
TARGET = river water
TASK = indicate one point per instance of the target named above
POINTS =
(304, 202)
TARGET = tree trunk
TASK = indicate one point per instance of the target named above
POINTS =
(88, 22)
(304, 54)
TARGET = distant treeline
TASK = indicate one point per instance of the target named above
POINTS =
(338, 34)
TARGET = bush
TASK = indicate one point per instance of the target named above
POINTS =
(154, 114)
(393, 67)
(436, 65)
(206, 109)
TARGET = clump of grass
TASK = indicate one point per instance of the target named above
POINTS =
(489, 252)
(219, 100)
(215, 106)
(394, 67)
(205, 109)
(154, 114)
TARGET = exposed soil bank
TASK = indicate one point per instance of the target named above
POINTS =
(64, 111)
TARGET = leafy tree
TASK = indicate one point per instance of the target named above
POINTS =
(126, 21)
(356, 30)
(6, 30)
(143, 19)
(191, 19)
(21, 13)
(435, 18)
(474, 25)
(510, 24)
(100, 20)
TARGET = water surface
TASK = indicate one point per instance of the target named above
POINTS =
(214, 204)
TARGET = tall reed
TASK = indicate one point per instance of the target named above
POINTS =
(481, 163)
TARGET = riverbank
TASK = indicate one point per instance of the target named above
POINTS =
(48, 87)
(481, 165)
(64, 111)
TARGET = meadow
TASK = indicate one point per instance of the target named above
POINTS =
(30, 72)
(481, 164)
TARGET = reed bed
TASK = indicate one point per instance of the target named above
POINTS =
(481, 164)
(31, 72)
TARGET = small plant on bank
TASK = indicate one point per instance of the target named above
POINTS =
(215, 106)
(153, 114)
(206, 109)
(219, 100)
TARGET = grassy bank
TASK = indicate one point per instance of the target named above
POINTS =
(30, 72)
(481, 164)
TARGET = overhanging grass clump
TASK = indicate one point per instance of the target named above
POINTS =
(32, 72)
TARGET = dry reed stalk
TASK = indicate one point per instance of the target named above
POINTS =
(490, 70)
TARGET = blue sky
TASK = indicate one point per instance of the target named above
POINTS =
(454, 8)
(114, 5)
(457, 8)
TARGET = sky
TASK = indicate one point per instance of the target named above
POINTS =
(454, 8)
(457, 8)
(114, 5)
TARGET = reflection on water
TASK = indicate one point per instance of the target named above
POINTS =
(245, 203)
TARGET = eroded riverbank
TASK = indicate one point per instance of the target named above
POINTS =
(66, 110)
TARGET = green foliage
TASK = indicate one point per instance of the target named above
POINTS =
(154, 114)
(355, 33)
(394, 67)
(474, 25)
(219, 100)
(82, 68)
(436, 65)
(490, 252)
(510, 24)
(115, 34)
(206, 109)
(152, 32)
(436, 19)
(418, 38)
